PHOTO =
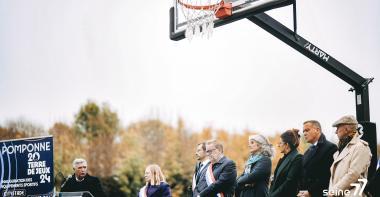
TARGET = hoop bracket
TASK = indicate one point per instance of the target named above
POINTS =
(224, 11)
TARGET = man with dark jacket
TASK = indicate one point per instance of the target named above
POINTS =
(317, 160)
(220, 176)
(200, 167)
(81, 181)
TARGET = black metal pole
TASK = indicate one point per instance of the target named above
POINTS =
(362, 103)
(295, 18)
(369, 128)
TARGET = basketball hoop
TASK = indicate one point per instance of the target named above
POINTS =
(200, 15)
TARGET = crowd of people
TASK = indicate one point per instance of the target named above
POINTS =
(325, 169)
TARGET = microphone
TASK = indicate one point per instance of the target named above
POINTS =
(66, 179)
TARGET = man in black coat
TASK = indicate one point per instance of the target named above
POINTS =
(81, 181)
(200, 168)
(317, 160)
(220, 176)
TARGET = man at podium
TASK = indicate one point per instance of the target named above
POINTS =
(81, 181)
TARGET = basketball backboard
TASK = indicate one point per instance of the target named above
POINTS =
(240, 9)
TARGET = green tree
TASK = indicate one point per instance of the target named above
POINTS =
(99, 128)
(67, 147)
(93, 120)
(131, 176)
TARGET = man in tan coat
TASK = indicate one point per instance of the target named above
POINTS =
(351, 161)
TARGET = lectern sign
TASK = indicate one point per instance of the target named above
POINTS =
(27, 167)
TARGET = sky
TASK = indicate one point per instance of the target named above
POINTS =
(55, 55)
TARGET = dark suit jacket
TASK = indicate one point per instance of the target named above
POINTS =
(199, 177)
(258, 178)
(162, 190)
(287, 176)
(90, 183)
(316, 167)
(225, 176)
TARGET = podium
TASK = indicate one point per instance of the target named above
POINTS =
(74, 194)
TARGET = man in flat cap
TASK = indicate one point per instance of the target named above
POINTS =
(351, 161)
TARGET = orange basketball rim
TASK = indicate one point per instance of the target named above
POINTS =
(223, 10)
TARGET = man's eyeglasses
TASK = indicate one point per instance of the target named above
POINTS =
(209, 151)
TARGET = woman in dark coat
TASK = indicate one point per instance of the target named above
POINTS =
(255, 178)
(288, 171)
(155, 183)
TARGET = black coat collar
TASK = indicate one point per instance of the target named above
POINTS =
(321, 142)
(221, 160)
(322, 139)
(286, 161)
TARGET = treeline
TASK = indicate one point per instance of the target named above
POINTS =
(118, 155)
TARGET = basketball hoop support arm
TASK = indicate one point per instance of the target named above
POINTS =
(359, 84)
(291, 38)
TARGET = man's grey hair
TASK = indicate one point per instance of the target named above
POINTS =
(79, 161)
(314, 123)
(217, 144)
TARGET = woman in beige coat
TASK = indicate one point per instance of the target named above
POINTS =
(351, 161)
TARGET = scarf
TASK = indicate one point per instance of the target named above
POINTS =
(251, 160)
(343, 142)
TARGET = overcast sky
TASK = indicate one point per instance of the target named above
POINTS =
(57, 54)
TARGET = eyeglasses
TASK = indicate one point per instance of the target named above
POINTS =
(209, 151)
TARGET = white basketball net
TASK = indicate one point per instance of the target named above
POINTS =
(200, 16)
